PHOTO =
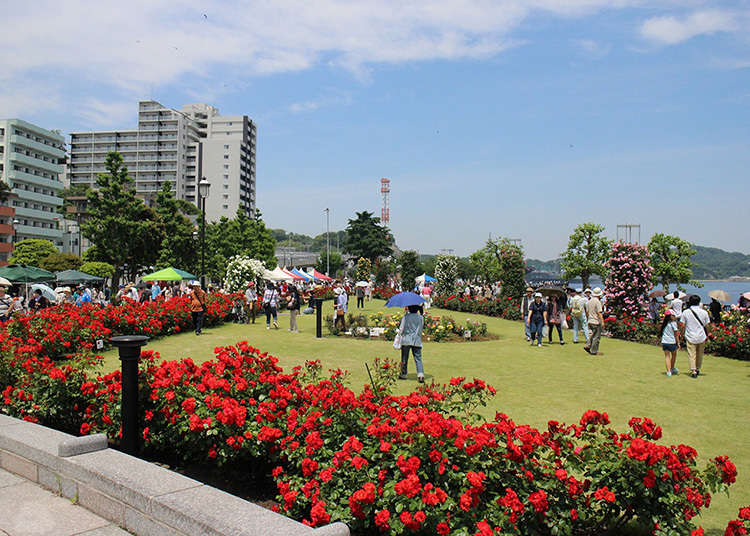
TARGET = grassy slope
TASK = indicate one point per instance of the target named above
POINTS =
(538, 384)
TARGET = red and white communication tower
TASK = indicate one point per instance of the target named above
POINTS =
(385, 189)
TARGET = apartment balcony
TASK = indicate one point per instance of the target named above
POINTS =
(41, 147)
(31, 161)
(30, 230)
(105, 139)
(28, 195)
(34, 179)
(80, 148)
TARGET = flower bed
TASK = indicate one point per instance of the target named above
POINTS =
(421, 463)
(508, 307)
(67, 329)
(383, 293)
(436, 328)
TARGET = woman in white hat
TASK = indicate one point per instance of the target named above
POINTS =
(595, 320)
(537, 318)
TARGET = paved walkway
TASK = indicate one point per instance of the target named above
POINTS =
(26, 509)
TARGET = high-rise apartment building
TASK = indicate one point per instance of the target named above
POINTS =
(227, 158)
(31, 162)
(179, 147)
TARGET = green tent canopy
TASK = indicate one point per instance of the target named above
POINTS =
(169, 274)
(20, 273)
(66, 277)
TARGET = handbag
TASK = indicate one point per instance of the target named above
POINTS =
(397, 342)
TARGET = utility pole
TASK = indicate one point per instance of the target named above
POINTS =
(328, 242)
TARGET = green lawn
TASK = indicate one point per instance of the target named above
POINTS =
(538, 384)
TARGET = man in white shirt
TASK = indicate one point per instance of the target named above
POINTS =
(697, 323)
(676, 304)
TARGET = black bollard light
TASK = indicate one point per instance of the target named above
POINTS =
(319, 318)
(129, 347)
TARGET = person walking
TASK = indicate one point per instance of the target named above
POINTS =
(251, 301)
(341, 308)
(271, 305)
(676, 304)
(697, 325)
(411, 340)
(293, 305)
(360, 297)
(715, 309)
(595, 321)
(653, 311)
(197, 306)
(555, 308)
(526, 302)
(537, 318)
(578, 314)
(670, 341)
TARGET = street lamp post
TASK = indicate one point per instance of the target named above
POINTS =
(328, 244)
(203, 187)
(15, 232)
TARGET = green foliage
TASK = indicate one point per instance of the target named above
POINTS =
(629, 278)
(335, 263)
(178, 248)
(239, 236)
(486, 265)
(57, 262)
(367, 237)
(500, 260)
(99, 269)
(587, 252)
(32, 251)
(384, 269)
(411, 268)
(72, 205)
(364, 269)
(126, 232)
(240, 271)
(714, 263)
(670, 260)
(446, 273)
(5, 192)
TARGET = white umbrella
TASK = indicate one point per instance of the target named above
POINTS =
(362, 284)
(46, 291)
(4, 282)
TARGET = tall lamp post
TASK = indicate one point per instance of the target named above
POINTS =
(328, 244)
(15, 232)
(203, 187)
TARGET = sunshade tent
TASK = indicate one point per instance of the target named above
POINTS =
(169, 274)
(66, 277)
(424, 278)
(20, 273)
(294, 276)
(277, 274)
(317, 275)
(307, 277)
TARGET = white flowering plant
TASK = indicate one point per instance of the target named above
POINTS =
(241, 270)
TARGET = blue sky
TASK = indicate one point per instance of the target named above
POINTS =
(509, 118)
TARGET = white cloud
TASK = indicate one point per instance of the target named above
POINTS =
(100, 113)
(338, 98)
(593, 48)
(671, 30)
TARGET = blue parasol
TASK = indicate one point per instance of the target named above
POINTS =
(404, 299)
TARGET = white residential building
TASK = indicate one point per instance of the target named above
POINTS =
(31, 162)
(178, 147)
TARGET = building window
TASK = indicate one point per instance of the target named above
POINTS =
(225, 207)
(226, 147)
(226, 177)
(226, 157)
(226, 187)
(226, 166)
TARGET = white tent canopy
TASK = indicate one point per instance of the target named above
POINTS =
(277, 274)
(424, 278)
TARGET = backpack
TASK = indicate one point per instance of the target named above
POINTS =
(576, 310)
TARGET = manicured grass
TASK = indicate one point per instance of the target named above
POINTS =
(535, 385)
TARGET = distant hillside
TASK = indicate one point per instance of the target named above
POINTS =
(714, 263)
(552, 266)
(710, 263)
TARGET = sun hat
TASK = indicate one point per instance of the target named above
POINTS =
(537, 294)
(195, 283)
(528, 289)
(669, 312)
(587, 290)
(597, 292)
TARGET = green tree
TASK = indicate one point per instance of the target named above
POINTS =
(57, 262)
(384, 269)
(178, 247)
(336, 262)
(411, 268)
(486, 264)
(588, 251)
(367, 237)
(670, 261)
(512, 266)
(71, 198)
(99, 269)
(127, 234)
(32, 251)
(239, 236)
